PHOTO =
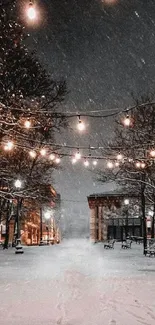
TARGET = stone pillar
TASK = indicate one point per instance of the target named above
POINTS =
(93, 225)
(104, 224)
(100, 223)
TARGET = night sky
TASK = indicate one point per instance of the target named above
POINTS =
(105, 53)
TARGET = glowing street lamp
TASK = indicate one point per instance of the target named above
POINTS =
(18, 183)
(126, 201)
(47, 215)
(31, 11)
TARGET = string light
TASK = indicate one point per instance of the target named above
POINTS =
(81, 125)
(74, 160)
(152, 153)
(110, 164)
(86, 163)
(52, 156)
(43, 152)
(31, 11)
(27, 124)
(94, 162)
(127, 121)
(138, 164)
(57, 160)
(9, 146)
(143, 165)
(77, 155)
(32, 154)
(117, 164)
(119, 156)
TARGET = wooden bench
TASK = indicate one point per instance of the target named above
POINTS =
(109, 244)
(126, 244)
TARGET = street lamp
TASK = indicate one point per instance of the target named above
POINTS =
(126, 202)
(47, 216)
(19, 248)
(41, 227)
(31, 11)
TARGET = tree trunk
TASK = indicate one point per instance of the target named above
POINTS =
(6, 242)
(152, 227)
(143, 215)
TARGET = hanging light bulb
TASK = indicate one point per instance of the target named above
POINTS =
(86, 163)
(43, 152)
(74, 160)
(119, 156)
(52, 156)
(77, 155)
(94, 162)
(138, 164)
(57, 160)
(152, 153)
(110, 164)
(27, 124)
(117, 164)
(9, 146)
(81, 125)
(143, 165)
(32, 154)
(31, 11)
(127, 121)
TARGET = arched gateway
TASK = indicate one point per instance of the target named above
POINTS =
(111, 217)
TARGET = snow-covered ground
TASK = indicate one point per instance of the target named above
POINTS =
(77, 283)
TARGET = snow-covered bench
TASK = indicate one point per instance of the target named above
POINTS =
(150, 251)
(109, 244)
(126, 244)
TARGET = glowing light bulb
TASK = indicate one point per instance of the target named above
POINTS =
(152, 153)
(117, 164)
(94, 162)
(43, 152)
(77, 155)
(74, 160)
(31, 12)
(110, 164)
(18, 183)
(119, 156)
(126, 201)
(27, 124)
(127, 121)
(143, 165)
(32, 154)
(9, 146)
(52, 156)
(86, 163)
(57, 160)
(81, 125)
(138, 164)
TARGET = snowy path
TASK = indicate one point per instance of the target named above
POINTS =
(77, 283)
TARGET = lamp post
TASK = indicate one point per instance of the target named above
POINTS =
(47, 217)
(19, 248)
(41, 227)
(126, 202)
